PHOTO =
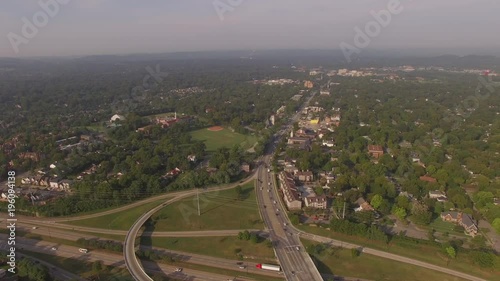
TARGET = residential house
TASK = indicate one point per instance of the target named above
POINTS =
(375, 151)
(191, 158)
(65, 184)
(44, 181)
(308, 84)
(305, 176)
(291, 194)
(436, 194)
(428, 179)
(328, 143)
(303, 133)
(301, 143)
(318, 202)
(117, 117)
(29, 180)
(85, 137)
(54, 183)
(29, 155)
(174, 172)
(462, 219)
(496, 201)
(330, 177)
(146, 129)
(363, 206)
(245, 167)
(291, 169)
(166, 122)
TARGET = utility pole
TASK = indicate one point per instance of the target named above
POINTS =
(343, 213)
(198, 199)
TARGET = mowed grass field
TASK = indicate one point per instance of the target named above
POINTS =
(226, 247)
(117, 221)
(423, 252)
(443, 226)
(340, 262)
(224, 138)
(220, 210)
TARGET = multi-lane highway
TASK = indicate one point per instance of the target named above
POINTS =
(294, 260)
(113, 260)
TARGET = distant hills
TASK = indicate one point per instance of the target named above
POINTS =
(327, 58)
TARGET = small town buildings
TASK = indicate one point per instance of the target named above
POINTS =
(462, 219)
(436, 194)
(328, 143)
(54, 183)
(314, 121)
(303, 133)
(318, 202)
(304, 176)
(65, 184)
(308, 84)
(329, 176)
(291, 169)
(375, 151)
(191, 158)
(363, 206)
(291, 194)
(300, 143)
(245, 167)
(29, 155)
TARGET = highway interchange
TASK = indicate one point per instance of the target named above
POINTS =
(294, 260)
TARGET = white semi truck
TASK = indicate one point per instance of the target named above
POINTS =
(271, 267)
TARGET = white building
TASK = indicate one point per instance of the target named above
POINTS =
(117, 117)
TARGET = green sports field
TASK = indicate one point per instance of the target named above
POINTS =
(224, 138)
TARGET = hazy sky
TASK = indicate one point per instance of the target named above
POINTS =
(83, 27)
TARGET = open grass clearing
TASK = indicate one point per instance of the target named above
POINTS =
(426, 253)
(228, 247)
(224, 138)
(220, 210)
(340, 262)
(117, 221)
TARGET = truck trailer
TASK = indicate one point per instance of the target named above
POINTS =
(271, 267)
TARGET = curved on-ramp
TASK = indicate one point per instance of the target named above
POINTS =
(131, 261)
